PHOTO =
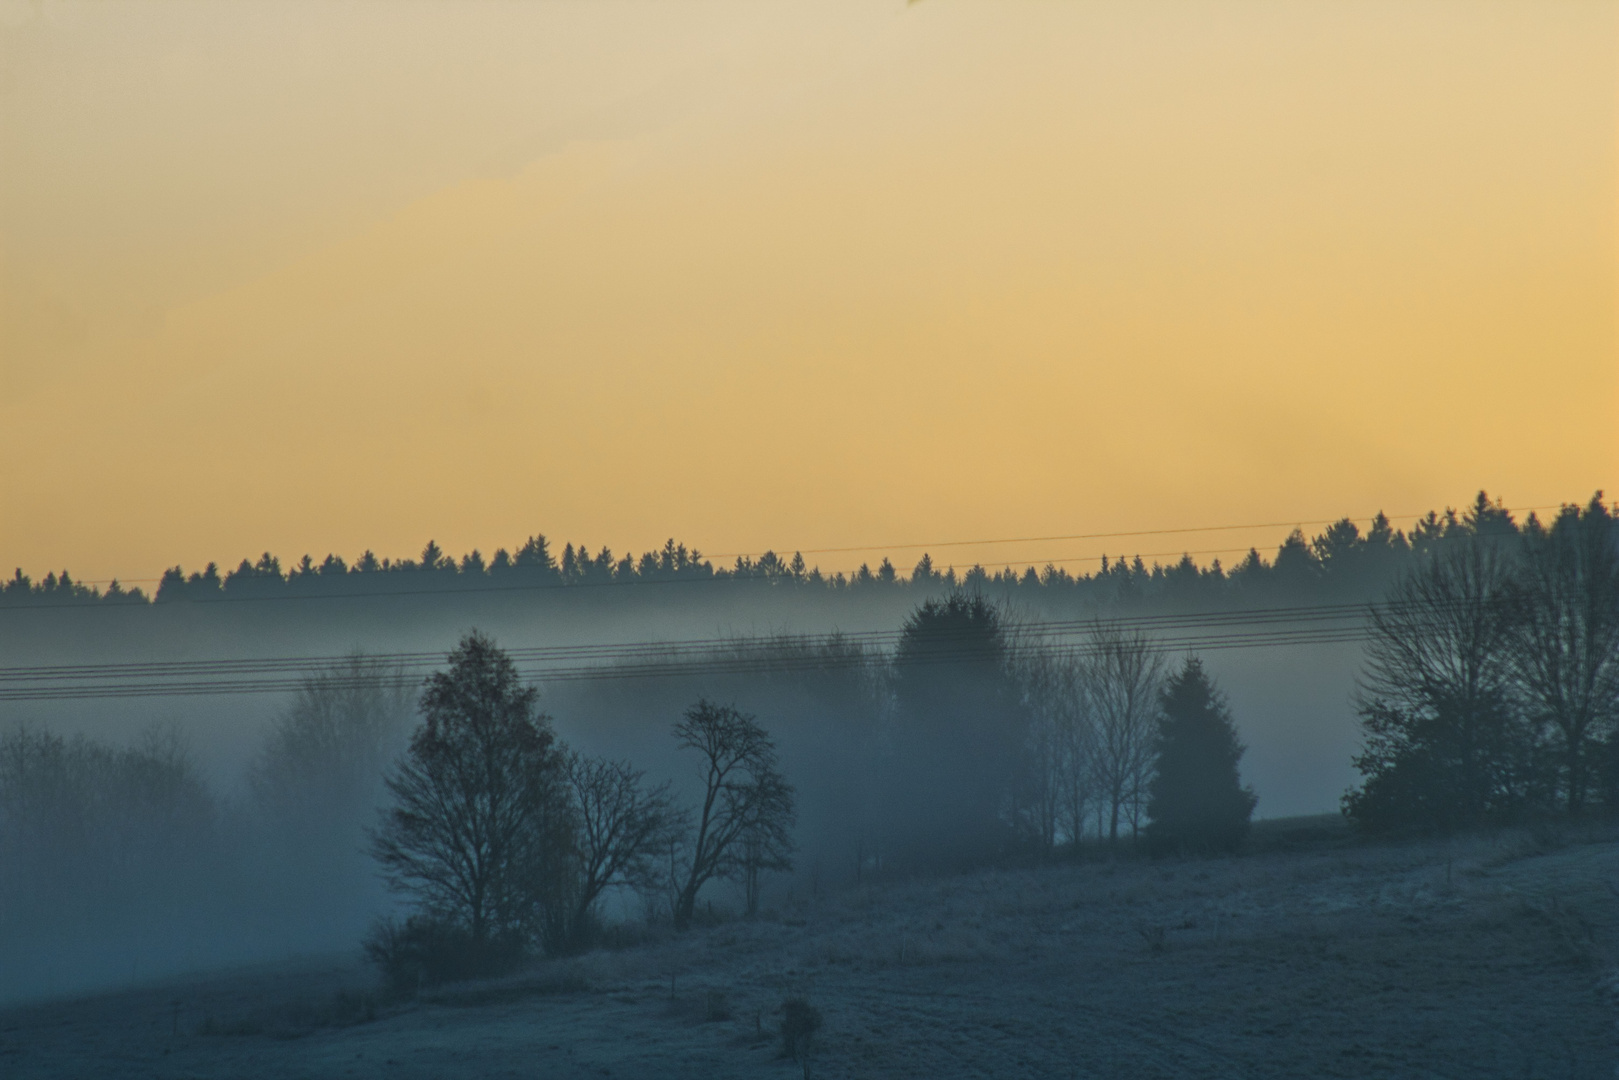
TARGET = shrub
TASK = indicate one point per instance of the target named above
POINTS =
(423, 951)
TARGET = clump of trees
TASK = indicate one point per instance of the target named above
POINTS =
(102, 853)
(1119, 749)
(504, 841)
(1491, 690)
(1001, 742)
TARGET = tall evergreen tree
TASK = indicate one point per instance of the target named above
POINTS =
(1196, 800)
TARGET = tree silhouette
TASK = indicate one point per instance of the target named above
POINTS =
(1196, 800)
(1060, 781)
(744, 824)
(962, 729)
(1565, 641)
(1124, 675)
(481, 830)
(319, 772)
(1445, 744)
(622, 826)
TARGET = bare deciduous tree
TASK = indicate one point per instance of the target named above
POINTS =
(1124, 673)
(744, 825)
(1061, 772)
(1445, 744)
(1565, 640)
(319, 773)
(623, 826)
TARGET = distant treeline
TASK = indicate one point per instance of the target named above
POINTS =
(1342, 560)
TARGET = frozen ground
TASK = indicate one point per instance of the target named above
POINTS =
(1489, 957)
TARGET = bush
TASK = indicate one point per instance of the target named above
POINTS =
(423, 952)
(799, 1022)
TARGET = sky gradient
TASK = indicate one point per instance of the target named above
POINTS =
(335, 276)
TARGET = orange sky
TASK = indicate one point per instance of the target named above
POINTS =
(323, 277)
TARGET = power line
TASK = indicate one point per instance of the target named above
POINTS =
(690, 669)
(1244, 628)
(1298, 524)
(617, 650)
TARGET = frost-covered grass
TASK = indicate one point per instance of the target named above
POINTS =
(1485, 956)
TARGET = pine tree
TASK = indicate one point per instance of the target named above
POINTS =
(1196, 799)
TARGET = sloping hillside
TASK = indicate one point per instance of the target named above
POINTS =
(1495, 956)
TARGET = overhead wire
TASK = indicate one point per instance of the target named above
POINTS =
(1170, 632)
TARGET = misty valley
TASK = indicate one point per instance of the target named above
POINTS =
(1348, 810)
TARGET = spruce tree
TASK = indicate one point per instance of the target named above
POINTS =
(1196, 799)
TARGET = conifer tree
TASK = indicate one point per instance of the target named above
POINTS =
(1196, 799)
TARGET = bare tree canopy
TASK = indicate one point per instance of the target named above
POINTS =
(1060, 786)
(1565, 636)
(622, 827)
(325, 756)
(1125, 674)
(744, 824)
(1445, 745)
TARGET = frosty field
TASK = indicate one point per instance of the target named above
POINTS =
(1493, 956)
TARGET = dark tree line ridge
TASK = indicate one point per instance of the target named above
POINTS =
(1341, 560)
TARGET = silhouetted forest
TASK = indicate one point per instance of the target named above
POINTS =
(970, 734)
(1341, 561)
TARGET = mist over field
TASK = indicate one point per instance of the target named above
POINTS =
(1053, 624)
(258, 855)
(1292, 706)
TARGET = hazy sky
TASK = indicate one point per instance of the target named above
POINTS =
(322, 276)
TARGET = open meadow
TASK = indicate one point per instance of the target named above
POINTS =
(1312, 955)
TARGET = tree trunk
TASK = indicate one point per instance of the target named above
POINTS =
(685, 906)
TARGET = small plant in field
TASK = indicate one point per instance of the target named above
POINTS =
(800, 1021)
(717, 1007)
(1153, 934)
